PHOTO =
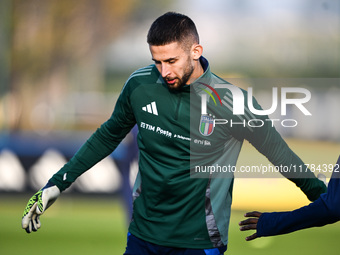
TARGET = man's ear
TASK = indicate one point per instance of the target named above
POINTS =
(197, 51)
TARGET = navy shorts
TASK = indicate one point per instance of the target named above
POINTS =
(136, 246)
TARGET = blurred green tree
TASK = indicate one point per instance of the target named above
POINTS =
(53, 41)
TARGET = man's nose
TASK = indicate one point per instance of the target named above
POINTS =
(165, 70)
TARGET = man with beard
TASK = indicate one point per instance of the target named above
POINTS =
(175, 209)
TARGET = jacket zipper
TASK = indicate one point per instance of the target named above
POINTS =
(179, 104)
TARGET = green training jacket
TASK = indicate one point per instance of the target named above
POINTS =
(177, 202)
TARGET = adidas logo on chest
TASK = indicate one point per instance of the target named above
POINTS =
(151, 108)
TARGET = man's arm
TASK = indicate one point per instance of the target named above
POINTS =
(325, 210)
(102, 143)
(269, 142)
(316, 214)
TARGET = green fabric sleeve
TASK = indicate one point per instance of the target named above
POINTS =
(101, 144)
(269, 142)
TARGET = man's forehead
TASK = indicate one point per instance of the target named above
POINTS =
(162, 52)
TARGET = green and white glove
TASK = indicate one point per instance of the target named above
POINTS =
(36, 206)
(322, 178)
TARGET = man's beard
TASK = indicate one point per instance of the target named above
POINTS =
(181, 81)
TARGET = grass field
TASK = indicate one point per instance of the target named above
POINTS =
(88, 225)
(277, 193)
(81, 225)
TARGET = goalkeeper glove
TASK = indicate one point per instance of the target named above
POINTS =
(322, 178)
(36, 206)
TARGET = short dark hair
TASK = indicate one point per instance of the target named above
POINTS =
(173, 27)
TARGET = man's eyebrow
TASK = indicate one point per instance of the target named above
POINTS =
(166, 60)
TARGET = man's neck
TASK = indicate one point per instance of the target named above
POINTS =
(198, 71)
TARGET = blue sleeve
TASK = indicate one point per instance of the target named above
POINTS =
(325, 210)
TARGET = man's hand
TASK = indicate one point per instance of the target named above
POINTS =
(322, 178)
(250, 224)
(36, 206)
